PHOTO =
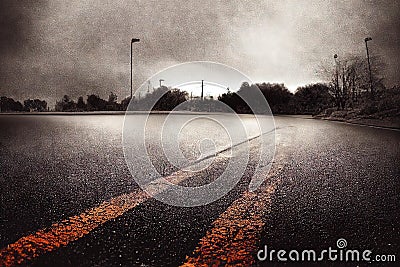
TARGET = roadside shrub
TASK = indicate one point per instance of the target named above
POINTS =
(328, 112)
(339, 114)
(369, 108)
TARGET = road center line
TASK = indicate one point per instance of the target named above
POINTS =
(233, 240)
(71, 229)
(61, 234)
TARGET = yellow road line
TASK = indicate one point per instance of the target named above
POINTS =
(61, 234)
(75, 227)
(234, 238)
(71, 229)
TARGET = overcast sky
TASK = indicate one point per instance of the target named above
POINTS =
(57, 47)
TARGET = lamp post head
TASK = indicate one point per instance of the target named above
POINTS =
(135, 40)
(367, 39)
(335, 56)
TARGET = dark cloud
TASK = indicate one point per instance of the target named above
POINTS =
(385, 31)
(14, 26)
(83, 47)
(51, 48)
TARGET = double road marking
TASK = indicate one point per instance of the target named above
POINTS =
(232, 240)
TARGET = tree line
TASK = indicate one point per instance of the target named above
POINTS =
(93, 103)
(348, 87)
(310, 99)
(10, 105)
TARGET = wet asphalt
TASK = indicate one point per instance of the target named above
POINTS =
(338, 181)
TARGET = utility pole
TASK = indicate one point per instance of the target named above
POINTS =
(134, 40)
(369, 64)
(337, 91)
(202, 89)
(337, 73)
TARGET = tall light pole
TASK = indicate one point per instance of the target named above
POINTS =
(369, 64)
(337, 73)
(134, 40)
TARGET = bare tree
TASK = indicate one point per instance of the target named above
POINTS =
(348, 79)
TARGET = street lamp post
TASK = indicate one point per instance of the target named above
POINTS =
(369, 64)
(134, 40)
(337, 72)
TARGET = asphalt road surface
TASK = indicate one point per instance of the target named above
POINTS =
(67, 198)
